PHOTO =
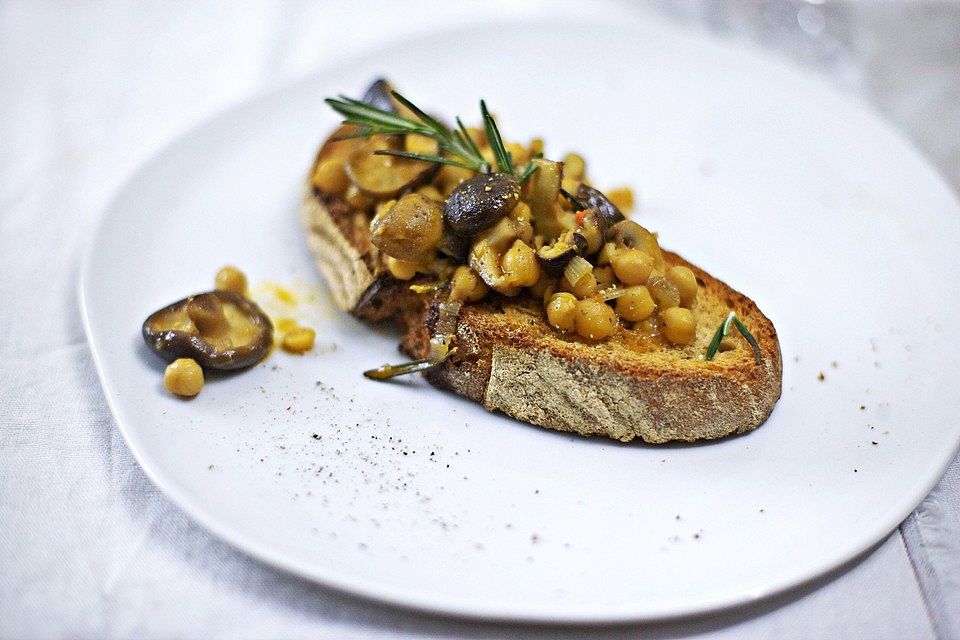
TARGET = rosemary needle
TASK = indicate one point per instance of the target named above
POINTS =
(456, 146)
(724, 329)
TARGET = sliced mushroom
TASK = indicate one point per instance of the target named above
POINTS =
(480, 202)
(593, 198)
(454, 246)
(488, 250)
(541, 195)
(339, 145)
(219, 329)
(554, 257)
(384, 176)
(628, 233)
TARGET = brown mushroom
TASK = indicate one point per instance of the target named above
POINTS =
(384, 176)
(554, 257)
(594, 198)
(480, 202)
(380, 95)
(219, 329)
(628, 233)
(410, 230)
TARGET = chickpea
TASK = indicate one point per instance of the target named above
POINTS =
(521, 212)
(595, 320)
(330, 176)
(231, 279)
(632, 266)
(679, 326)
(604, 276)
(544, 288)
(299, 340)
(686, 283)
(574, 166)
(401, 270)
(520, 265)
(518, 152)
(183, 377)
(431, 192)
(606, 254)
(467, 285)
(479, 135)
(450, 176)
(621, 198)
(636, 304)
(561, 311)
(585, 287)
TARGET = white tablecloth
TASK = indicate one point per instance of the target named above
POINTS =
(89, 548)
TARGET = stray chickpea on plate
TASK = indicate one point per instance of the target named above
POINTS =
(220, 330)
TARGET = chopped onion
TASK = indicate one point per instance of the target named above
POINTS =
(576, 269)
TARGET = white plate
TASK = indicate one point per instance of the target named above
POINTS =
(795, 195)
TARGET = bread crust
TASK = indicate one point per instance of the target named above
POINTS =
(509, 360)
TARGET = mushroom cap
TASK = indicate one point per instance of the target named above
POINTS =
(171, 343)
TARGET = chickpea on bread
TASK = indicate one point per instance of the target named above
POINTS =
(519, 285)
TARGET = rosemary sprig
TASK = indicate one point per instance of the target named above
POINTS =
(724, 329)
(429, 287)
(373, 120)
(422, 156)
(526, 173)
(456, 146)
(504, 161)
(387, 371)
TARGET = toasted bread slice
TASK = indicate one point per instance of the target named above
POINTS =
(510, 360)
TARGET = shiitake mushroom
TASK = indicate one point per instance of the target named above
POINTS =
(628, 233)
(454, 246)
(219, 329)
(384, 176)
(479, 202)
(553, 258)
(594, 199)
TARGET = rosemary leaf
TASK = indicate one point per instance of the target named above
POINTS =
(362, 114)
(719, 335)
(742, 328)
(469, 141)
(426, 118)
(420, 156)
(496, 142)
(429, 287)
(529, 171)
(724, 329)
(387, 371)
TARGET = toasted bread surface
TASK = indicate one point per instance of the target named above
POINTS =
(510, 360)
